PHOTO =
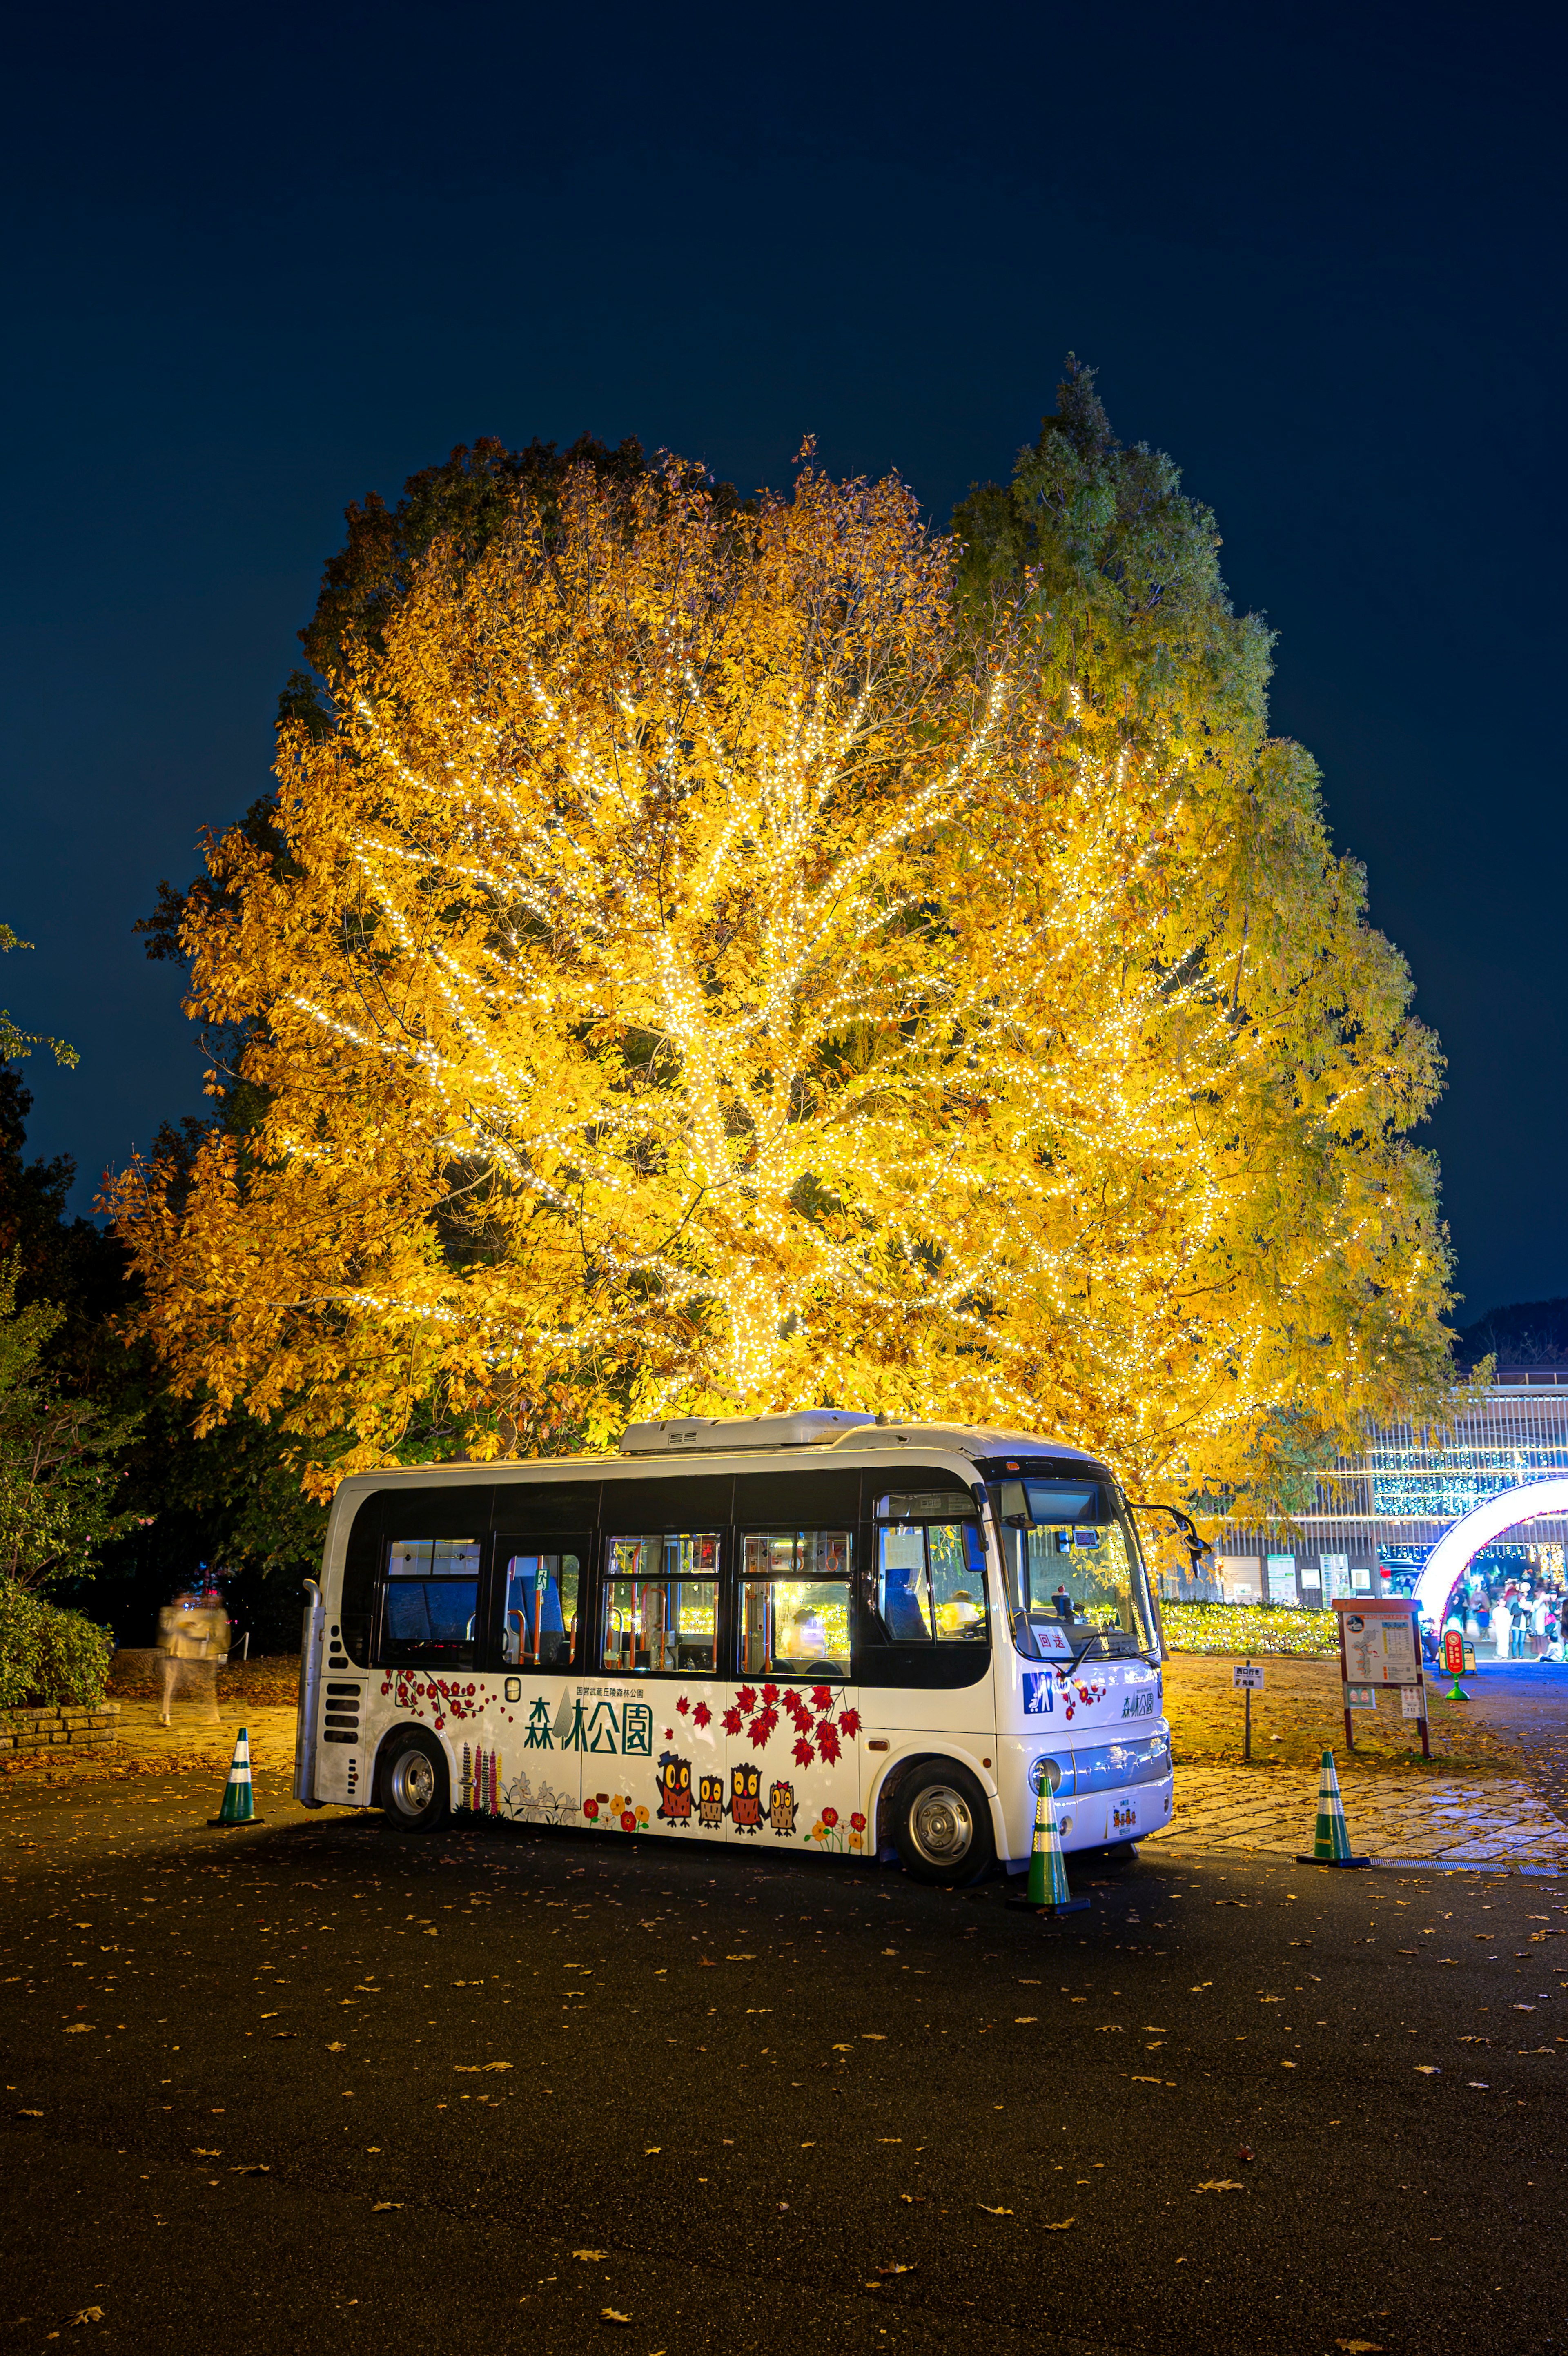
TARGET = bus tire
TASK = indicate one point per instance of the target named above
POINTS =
(942, 1825)
(415, 1788)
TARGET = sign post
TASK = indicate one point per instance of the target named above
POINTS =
(1379, 1645)
(1247, 1676)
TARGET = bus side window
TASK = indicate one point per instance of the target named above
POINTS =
(794, 1603)
(432, 1594)
(660, 1605)
(930, 1583)
(539, 1626)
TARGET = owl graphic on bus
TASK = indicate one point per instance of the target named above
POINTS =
(746, 1798)
(781, 1809)
(710, 1802)
(675, 1789)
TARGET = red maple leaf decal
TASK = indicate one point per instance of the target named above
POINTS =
(732, 1721)
(827, 1741)
(769, 1692)
(702, 1714)
(669, 1734)
(821, 1696)
(762, 1726)
(849, 1724)
(746, 1698)
(804, 1754)
(796, 1709)
(682, 1705)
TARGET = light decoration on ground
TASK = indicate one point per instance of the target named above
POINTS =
(703, 978)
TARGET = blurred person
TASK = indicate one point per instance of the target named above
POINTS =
(193, 1636)
(1501, 1628)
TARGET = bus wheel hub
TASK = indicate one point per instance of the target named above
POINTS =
(942, 1824)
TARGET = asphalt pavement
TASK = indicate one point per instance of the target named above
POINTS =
(319, 2085)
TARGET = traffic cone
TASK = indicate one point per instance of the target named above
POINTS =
(1047, 1892)
(1330, 1837)
(239, 1803)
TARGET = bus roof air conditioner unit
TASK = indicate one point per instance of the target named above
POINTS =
(697, 1435)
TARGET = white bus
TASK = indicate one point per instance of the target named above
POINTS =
(818, 1630)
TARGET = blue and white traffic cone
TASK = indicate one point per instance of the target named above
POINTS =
(239, 1801)
(1047, 1892)
(1331, 1835)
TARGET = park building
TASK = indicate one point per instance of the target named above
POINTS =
(1375, 1517)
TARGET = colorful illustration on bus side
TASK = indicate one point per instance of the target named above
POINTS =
(710, 1802)
(438, 1698)
(1083, 1697)
(830, 1831)
(545, 1806)
(675, 1789)
(614, 1812)
(480, 1785)
(744, 1798)
(821, 1730)
(781, 1809)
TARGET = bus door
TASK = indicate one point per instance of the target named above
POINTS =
(539, 1585)
(791, 1757)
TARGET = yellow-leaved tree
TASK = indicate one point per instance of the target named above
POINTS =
(718, 959)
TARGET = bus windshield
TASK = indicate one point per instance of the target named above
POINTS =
(1077, 1585)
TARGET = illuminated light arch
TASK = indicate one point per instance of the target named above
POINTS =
(1457, 1548)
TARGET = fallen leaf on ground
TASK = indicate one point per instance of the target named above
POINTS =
(1022, 2019)
(996, 2212)
(1428, 2069)
(872, 2037)
(1360, 2347)
(253, 2168)
(614, 2315)
(339, 2048)
(894, 2267)
(590, 2253)
(377, 2206)
(1222, 2184)
(1063, 2226)
(88, 2315)
(77, 2029)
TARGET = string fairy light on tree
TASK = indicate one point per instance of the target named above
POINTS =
(709, 970)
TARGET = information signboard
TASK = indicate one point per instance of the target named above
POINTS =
(1379, 1646)
(1247, 1675)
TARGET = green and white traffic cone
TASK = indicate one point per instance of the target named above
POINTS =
(1047, 1892)
(1330, 1837)
(239, 1802)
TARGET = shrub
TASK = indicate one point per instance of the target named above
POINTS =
(49, 1655)
(1251, 1628)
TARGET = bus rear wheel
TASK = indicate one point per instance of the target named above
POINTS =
(415, 1792)
(941, 1825)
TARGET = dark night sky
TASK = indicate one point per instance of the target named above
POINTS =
(264, 259)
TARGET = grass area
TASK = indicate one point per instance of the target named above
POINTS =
(1299, 1714)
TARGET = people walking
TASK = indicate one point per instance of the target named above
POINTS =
(193, 1636)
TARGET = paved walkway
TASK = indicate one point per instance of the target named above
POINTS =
(1496, 1822)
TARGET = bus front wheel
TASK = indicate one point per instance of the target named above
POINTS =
(415, 1791)
(942, 1823)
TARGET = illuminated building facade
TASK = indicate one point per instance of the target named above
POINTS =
(1375, 1516)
